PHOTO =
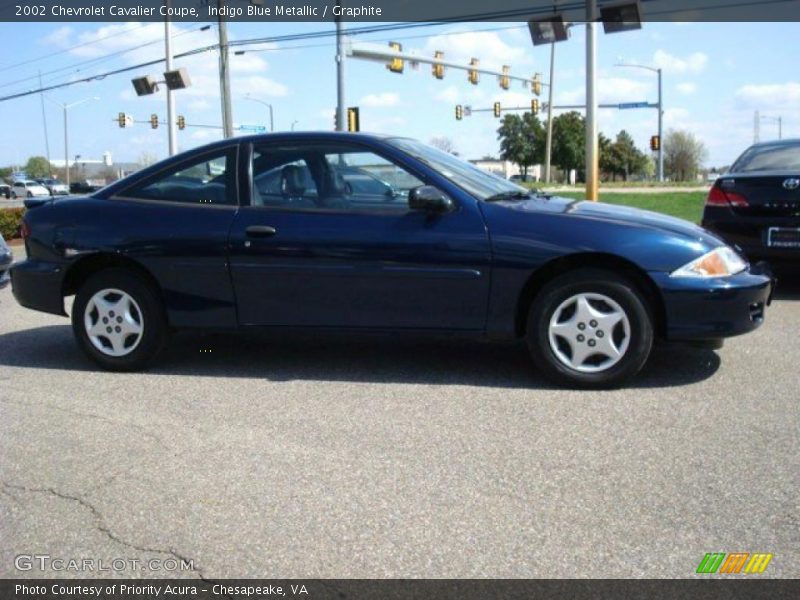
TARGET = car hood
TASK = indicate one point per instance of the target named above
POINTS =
(623, 215)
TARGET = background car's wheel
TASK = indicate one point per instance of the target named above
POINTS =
(590, 328)
(118, 320)
(30, 195)
(14, 195)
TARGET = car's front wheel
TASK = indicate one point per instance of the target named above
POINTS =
(590, 328)
(118, 320)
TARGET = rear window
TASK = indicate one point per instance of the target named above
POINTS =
(769, 157)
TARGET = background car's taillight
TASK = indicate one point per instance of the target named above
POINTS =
(24, 230)
(719, 197)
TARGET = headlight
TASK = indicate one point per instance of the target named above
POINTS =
(720, 262)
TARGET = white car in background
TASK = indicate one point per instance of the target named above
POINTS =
(28, 189)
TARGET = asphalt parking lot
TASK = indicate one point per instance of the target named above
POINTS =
(387, 457)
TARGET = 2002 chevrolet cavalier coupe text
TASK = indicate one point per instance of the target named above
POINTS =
(330, 230)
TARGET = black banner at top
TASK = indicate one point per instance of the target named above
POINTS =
(267, 11)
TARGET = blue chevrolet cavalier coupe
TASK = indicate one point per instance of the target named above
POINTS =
(364, 232)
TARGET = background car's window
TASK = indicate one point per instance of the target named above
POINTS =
(209, 180)
(769, 157)
(325, 177)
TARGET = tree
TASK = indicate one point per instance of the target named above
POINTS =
(683, 155)
(37, 166)
(623, 158)
(443, 143)
(569, 142)
(521, 140)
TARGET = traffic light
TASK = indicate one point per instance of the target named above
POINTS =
(505, 81)
(353, 120)
(472, 75)
(536, 84)
(655, 143)
(154, 121)
(535, 106)
(437, 68)
(459, 112)
(497, 109)
(121, 119)
(181, 122)
(397, 64)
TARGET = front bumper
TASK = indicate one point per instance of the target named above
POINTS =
(37, 285)
(706, 309)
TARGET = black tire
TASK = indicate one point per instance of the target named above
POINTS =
(149, 310)
(13, 195)
(30, 195)
(613, 286)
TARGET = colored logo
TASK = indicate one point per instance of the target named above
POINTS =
(736, 562)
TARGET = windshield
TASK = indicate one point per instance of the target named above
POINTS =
(769, 157)
(479, 183)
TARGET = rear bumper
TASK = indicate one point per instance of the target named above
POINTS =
(705, 309)
(37, 285)
(750, 234)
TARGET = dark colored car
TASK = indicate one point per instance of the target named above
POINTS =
(203, 241)
(6, 257)
(5, 191)
(756, 204)
(83, 187)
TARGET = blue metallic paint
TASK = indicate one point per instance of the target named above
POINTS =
(464, 270)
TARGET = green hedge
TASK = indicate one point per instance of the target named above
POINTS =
(10, 218)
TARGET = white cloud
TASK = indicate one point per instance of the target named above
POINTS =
(609, 90)
(488, 46)
(450, 94)
(686, 88)
(199, 104)
(60, 37)
(770, 96)
(382, 100)
(693, 63)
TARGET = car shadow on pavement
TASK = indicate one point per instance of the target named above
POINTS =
(365, 358)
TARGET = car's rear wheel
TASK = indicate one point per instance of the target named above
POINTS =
(118, 320)
(590, 328)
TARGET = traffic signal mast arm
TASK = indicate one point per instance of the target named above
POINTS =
(384, 54)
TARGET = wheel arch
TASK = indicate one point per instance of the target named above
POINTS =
(88, 265)
(595, 260)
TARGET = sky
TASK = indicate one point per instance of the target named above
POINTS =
(715, 76)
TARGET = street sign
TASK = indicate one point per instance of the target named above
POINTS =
(625, 105)
(253, 128)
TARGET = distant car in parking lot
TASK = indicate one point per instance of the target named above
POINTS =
(6, 257)
(84, 187)
(756, 204)
(376, 233)
(28, 188)
(5, 191)
(522, 178)
(54, 186)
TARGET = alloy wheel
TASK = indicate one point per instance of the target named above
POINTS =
(114, 323)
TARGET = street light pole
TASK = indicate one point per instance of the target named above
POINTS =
(268, 105)
(65, 107)
(548, 150)
(660, 107)
(224, 74)
(171, 131)
(341, 111)
(592, 169)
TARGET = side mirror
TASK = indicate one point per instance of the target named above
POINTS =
(429, 199)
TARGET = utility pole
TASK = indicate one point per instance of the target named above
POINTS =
(171, 132)
(66, 148)
(592, 168)
(660, 131)
(548, 149)
(46, 138)
(341, 106)
(224, 74)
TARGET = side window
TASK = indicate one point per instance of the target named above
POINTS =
(329, 177)
(207, 180)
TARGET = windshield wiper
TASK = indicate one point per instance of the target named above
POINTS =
(514, 195)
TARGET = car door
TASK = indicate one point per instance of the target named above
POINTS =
(307, 252)
(175, 222)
